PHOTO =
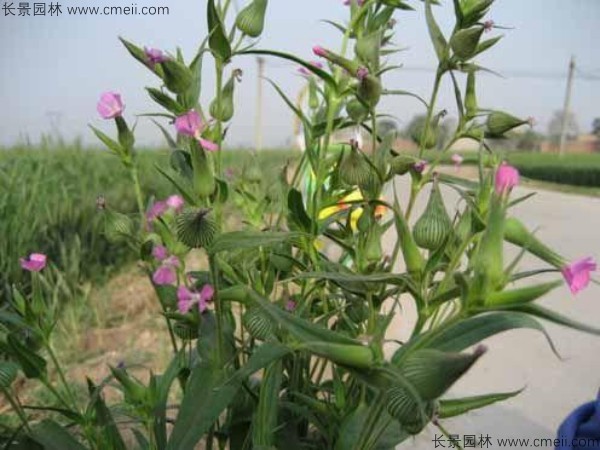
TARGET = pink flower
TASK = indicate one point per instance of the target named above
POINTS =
(34, 263)
(320, 51)
(488, 25)
(154, 56)
(305, 71)
(457, 159)
(507, 177)
(175, 202)
(290, 305)
(157, 210)
(420, 166)
(187, 298)
(160, 252)
(190, 124)
(362, 73)
(577, 273)
(110, 105)
(166, 274)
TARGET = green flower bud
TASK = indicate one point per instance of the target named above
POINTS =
(499, 123)
(432, 228)
(464, 42)
(401, 164)
(354, 168)
(223, 110)
(117, 226)
(204, 179)
(357, 111)
(196, 228)
(258, 324)
(251, 19)
(474, 10)
(368, 49)
(185, 330)
(369, 90)
(516, 233)
(373, 251)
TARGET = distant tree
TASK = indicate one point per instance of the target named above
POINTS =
(555, 126)
(528, 141)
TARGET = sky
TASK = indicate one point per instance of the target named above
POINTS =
(53, 69)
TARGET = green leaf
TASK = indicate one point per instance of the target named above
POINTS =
(54, 437)
(217, 40)
(297, 213)
(522, 295)
(237, 240)
(460, 406)
(165, 101)
(327, 78)
(33, 365)
(103, 419)
(264, 424)
(487, 44)
(184, 190)
(170, 141)
(112, 145)
(178, 77)
(208, 392)
(439, 41)
(406, 93)
(191, 97)
(139, 54)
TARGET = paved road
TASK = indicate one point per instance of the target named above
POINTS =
(522, 358)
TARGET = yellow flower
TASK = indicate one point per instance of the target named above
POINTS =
(345, 203)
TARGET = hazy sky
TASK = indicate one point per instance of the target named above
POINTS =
(62, 64)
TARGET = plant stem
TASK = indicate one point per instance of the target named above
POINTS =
(16, 407)
(138, 193)
(61, 375)
(436, 87)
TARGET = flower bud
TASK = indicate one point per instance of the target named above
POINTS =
(401, 164)
(507, 177)
(369, 90)
(223, 110)
(251, 19)
(177, 76)
(474, 10)
(258, 324)
(117, 226)
(432, 228)
(402, 407)
(357, 111)
(196, 228)
(354, 168)
(464, 42)
(185, 330)
(516, 233)
(368, 49)
(110, 105)
(373, 251)
(499, 123)
(204, 180)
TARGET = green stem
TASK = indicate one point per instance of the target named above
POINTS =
(61, 375)
(16, 407)
(436, 88)
(138, 193)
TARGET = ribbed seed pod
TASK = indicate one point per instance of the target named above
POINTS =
(499, 123)
(223, 110)
(373, 249)
(401, 164)
(8, 373)
(196, 228)
(354, 169)
(369, 90)
(258, 325)
(434, 225)
(185, 331)
(357, 111)
(117, 226)
(204, 179)
(402, 407)
(251, 19)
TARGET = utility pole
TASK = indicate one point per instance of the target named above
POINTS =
(259, 104)
(566, 113)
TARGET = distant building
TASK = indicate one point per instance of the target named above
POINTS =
(584, 143)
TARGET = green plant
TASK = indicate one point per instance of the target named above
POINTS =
(273, 301)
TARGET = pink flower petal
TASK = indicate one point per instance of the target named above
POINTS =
(209, 146)
(507, 177)
(207, 292)
(160, 252)
(110, 105)
(165, 275)
(189, 124)
(577, 274)
(175, 202)
(34, 263)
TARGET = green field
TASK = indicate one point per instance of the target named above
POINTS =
(48, 204)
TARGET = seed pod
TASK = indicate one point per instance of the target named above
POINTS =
(251, 19)
(258, 324)
(354, 168)
(8, 373)
(464, 43)
(499, 123)
(433, 226)
(372, 250)
(196, 228)
(117, 226)
(204, 179)
(471, 97)
(402, 407)
(401, 164)
(473, 11)
(185, 330)
(357, 111)
(224, 109)
(368, 49)
(369, 90)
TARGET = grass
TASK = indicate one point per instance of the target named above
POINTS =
(48, 205)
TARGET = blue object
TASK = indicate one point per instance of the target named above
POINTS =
(581, 429)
